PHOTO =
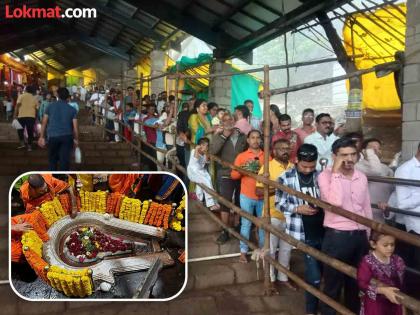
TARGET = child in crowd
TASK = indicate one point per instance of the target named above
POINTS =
(8, 104)
(386, 267)
(198, 173)
(216, 121)
(129, 116)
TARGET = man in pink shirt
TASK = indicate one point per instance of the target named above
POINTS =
(241, 117)
(345, 187)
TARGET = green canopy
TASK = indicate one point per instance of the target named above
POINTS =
(243, 86)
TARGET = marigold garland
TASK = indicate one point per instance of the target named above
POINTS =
(166, 217)
(93, 201)
(52, 211)
(176, 222)
(153, 211)
(31, 240)
(77, 283)
(144, 209)
(130, 209)
(37, 263)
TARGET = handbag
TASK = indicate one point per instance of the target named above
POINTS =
(16, 124)
(77, 155)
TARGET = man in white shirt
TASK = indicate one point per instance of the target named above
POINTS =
(408, 198)
(370, 164)
(323, 139)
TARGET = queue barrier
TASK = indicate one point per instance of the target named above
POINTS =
(351, 271)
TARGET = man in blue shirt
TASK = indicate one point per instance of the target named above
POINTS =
(60, 119)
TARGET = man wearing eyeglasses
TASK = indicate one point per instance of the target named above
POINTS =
(303, 220)
(307, 128)
(323, 139)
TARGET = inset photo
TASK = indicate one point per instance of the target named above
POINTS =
(94, 236)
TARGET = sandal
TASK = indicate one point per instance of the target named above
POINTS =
(290, 285)
(243, 259)
(215, 207)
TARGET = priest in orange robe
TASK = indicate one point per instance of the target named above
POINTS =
(126, 184)
(23, 223)
(40, 188)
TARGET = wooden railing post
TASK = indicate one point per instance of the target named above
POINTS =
(266, 91)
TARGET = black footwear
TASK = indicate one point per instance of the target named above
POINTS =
(223, 237)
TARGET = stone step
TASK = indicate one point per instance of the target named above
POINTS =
(86, 133)
(94, 145)
(202, 223)
(16, 170)
(229, 271)
(204, 245)
(88, 161)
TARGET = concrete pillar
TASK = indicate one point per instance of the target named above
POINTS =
(411, 87)
(220, 87)
(158, 58)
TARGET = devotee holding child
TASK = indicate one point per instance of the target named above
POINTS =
(241, 118)
(198, 173)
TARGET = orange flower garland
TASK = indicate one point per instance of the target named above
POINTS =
(166, 217)
(66, 204)
(37, 263)
(151, 214)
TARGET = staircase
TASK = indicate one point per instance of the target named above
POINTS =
(214, 286)
(97, 154)
(202, 234)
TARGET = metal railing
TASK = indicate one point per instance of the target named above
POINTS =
(406, 300)
(264, 222)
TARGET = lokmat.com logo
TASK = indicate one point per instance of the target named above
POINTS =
(25, 12)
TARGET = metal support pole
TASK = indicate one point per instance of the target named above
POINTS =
(266, 91)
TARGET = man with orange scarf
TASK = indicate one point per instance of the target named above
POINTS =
(40, 188)
(126, 184)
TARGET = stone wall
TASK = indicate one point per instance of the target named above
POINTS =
(411, 99)
(158, 59)
(220, 87)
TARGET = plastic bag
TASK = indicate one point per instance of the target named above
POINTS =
(16, 124)
(77, 155)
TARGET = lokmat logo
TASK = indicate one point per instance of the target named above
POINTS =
(25, 12)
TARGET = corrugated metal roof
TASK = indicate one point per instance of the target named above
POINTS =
(130, 29)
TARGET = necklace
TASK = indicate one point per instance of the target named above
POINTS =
(387, 259)
(305, 182)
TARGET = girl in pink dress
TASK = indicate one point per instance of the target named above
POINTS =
(383, 265)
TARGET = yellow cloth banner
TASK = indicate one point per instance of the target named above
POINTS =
(366, 34)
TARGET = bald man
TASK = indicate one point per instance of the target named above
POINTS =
(40, 188)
